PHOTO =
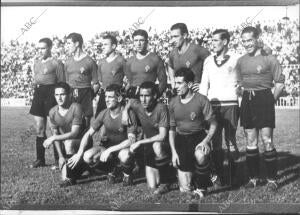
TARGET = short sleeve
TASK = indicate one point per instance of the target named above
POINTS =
(133, 122)
(163, 117)
(207, 110)
(77, 115)
(171, 59)
(52, 123)
(276, 69)
(60, 72)
(172, 115)
(98, 122)
(94, 71)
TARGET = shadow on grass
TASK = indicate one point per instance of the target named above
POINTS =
(288, 171)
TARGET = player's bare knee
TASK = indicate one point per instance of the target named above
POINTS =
(124, 155)
(88, 157)
(200, 156)
(69, 146)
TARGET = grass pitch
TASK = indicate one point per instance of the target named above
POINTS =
(24, 188)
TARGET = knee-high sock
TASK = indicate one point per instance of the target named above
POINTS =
(201, 178)
(40, 150)
(270, 158)
(218, 159)
(164, 168)
(252, 160)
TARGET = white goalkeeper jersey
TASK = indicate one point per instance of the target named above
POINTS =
(219, 80)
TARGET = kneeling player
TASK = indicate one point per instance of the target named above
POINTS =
(119, 138)
(188, 139)
(154, 119)
(66, 119)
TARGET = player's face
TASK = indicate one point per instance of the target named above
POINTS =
(217, 43)
(111, 100)
(181, 86)
(146, 98)
(249, 42)
(177, 39)
(139, 43)
(71, 46)
(44, 50)
(107, 47)
(60, 96)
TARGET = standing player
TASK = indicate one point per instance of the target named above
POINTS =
(47, 72)
(185, 54)
(257, 74)
(110, 69)
(65, 121)
(145, 65)
(154, 119)
(219, 84)
(119, 138)
(81, 75)
(190, 145)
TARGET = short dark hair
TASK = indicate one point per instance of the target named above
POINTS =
(112, 39)
(63, 85)
(186, 73)
(114, 88)
(140, 32)
(75, 37)
(149, 85)
(181, 26)
(250, 29)
(47, 41)
(223, 33)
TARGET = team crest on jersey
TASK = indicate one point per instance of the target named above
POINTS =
(230, 69)
(113, 72)
(82, 70)
(259, 69)
(188, 64)
(45, 71)
(193, 116)
(147, 68)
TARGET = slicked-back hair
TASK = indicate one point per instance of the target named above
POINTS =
(181, 26)
(112, 39)
(224, 34)
(140, 32)
(150, 85)
(250, 29)
(186, 73)
(47, 41)
(114, 88)
(63, 85)
(75, 37)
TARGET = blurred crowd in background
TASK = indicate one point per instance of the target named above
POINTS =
(281, 36)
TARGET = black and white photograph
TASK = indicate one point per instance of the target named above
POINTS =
(164, 107)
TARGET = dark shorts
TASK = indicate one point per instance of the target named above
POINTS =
(149, 155)
(84, 96)
(227, 118)
(258, 109)
(43, 100)
(185, 148)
